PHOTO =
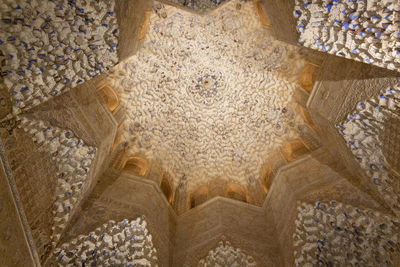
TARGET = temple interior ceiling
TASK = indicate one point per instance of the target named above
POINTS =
(183, 133)
(210, 95)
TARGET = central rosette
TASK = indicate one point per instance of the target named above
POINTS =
(207, 86)
(207, 89)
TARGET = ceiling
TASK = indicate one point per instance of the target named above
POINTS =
(209, 96)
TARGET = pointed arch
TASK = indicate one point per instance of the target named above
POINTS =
(109, 96)
(199, 196)
(136, 165)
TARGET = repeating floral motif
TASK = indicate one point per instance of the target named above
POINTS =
(207, 94)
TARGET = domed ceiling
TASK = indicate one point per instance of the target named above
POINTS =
(209, 96)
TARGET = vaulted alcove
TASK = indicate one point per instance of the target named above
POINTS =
(136, 165)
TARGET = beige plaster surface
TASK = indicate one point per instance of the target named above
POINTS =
(335, 94)
(16, 245)
(317, 177)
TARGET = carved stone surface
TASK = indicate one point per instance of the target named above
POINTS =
(181, 196)
(366, 31)
(199, 5)
(390, 137)
(16, 244)
(34, 175)
(364, 133)
(318, 177)
(247, 227)
(73, 160)
(226, 255)
(209, 98)
(124, 196)
(208, 107)
(335, 234)
(126, 243)
(131, 19)
(35, 171)
(335, 96)
(49, 47)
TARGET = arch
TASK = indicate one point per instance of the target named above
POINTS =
(235, 191)
(308, 77)
(307, 117)
(199, 197)
(136, 166)
(294, 149)
(109, 96)
(166, 189)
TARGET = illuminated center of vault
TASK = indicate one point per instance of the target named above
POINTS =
(205, 95)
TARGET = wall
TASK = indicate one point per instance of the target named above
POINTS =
(16, 244)
(120, 196)
(245, 226)
(123, 243)
(35, 178)
(370, 133)
(178, 240)
(84, 112)
(35, 171)
(336, 94)
(280, 17)
(130, 16)
(263, 233)
(337, 234)
(345, 29)
(48, 48)
(226, 255)
(318, 177)
(284, 26)
(72, 159)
